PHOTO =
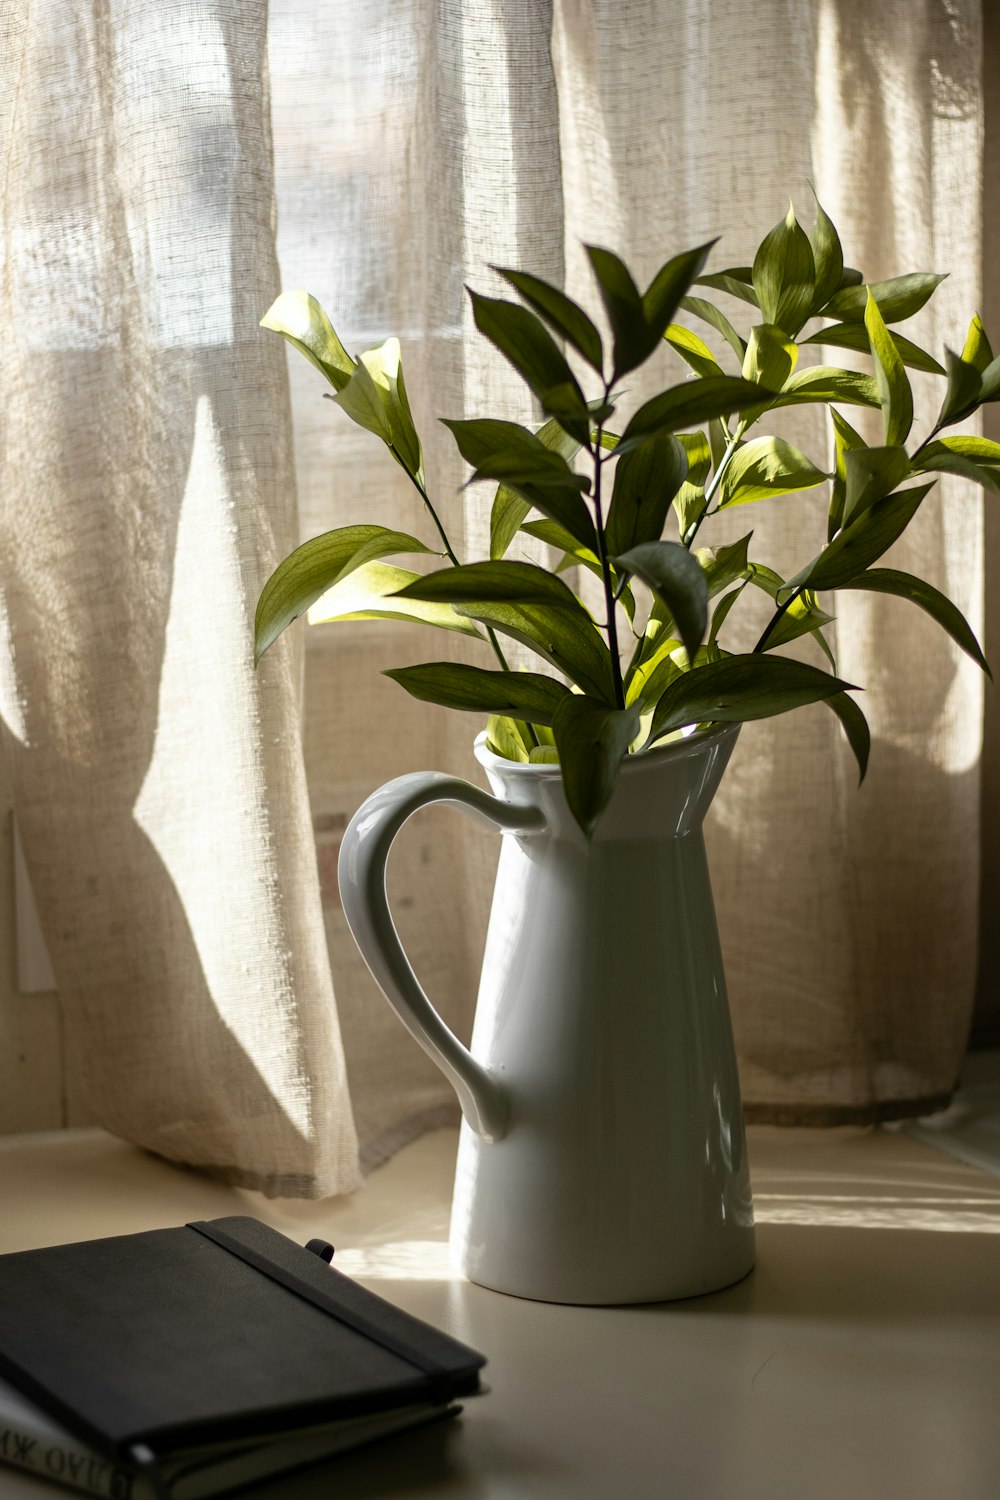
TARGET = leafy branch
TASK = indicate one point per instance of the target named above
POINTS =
(689, 449)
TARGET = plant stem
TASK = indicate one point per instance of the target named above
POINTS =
(609, 592)
(776, 618)
(713, 487)
(422, 492)
(453, 559)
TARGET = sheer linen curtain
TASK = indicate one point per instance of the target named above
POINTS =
(153, 442)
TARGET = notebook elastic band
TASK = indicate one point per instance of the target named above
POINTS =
(323, 1301)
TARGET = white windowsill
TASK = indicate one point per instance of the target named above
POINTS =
(861, 1359)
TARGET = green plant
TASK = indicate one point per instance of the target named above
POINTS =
(609, 516)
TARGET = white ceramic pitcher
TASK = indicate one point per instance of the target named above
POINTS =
(602, 1157)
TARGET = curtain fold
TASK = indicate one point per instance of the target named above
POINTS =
(153, 446)
(147, 489)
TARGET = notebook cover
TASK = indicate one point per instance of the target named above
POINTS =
(201, 1333)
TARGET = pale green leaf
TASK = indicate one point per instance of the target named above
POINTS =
(771, 356)
(315, 567)
(977, 351)
(369, 594)
(765, 467)
(509, 738)
(890, 377)
(827, 383)
(845, 438)
(300, 319)
(693, 350)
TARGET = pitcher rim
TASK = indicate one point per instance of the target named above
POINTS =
(677, 750)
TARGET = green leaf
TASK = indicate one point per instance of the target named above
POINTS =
(936, 604)
(977, 349)
(693, 350)
(688, 404)
(990, 390)
(560, 312)
(561, 503)
(483, 437)
(646, 480)
(623, 305)
(806, 616)
(509, 509)
(300, 319)
(845, 438)
(509, 738)
(890, 377)
(647, 678)
(937, 459)
(964, 391)
(765, 467)
(662, 297)
(591, 739)
(771, 356)
(699, 455)
(385, 368)
(827, 383)
(524, 695)
(855, 336)
(739, 688)
(784, 275)
(677, 578)
(862, 542)
(967, 445)
(737, 281)
(316, 566)
(802, 617)
(527, 344)
(855, 727)
(529, 469)
(897, 299)
(710, 314)
(724, 565)
(870, 473)
(369, 593)
(689, 502)
(359, 397)
(567, 639)
(721, 611)
(828, 257)
(501, 582)
(554, 535)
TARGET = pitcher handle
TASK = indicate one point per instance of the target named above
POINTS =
(363, 856)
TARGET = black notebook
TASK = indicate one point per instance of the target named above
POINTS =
(158, 1348)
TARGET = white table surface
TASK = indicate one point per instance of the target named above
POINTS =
(859, 1361)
